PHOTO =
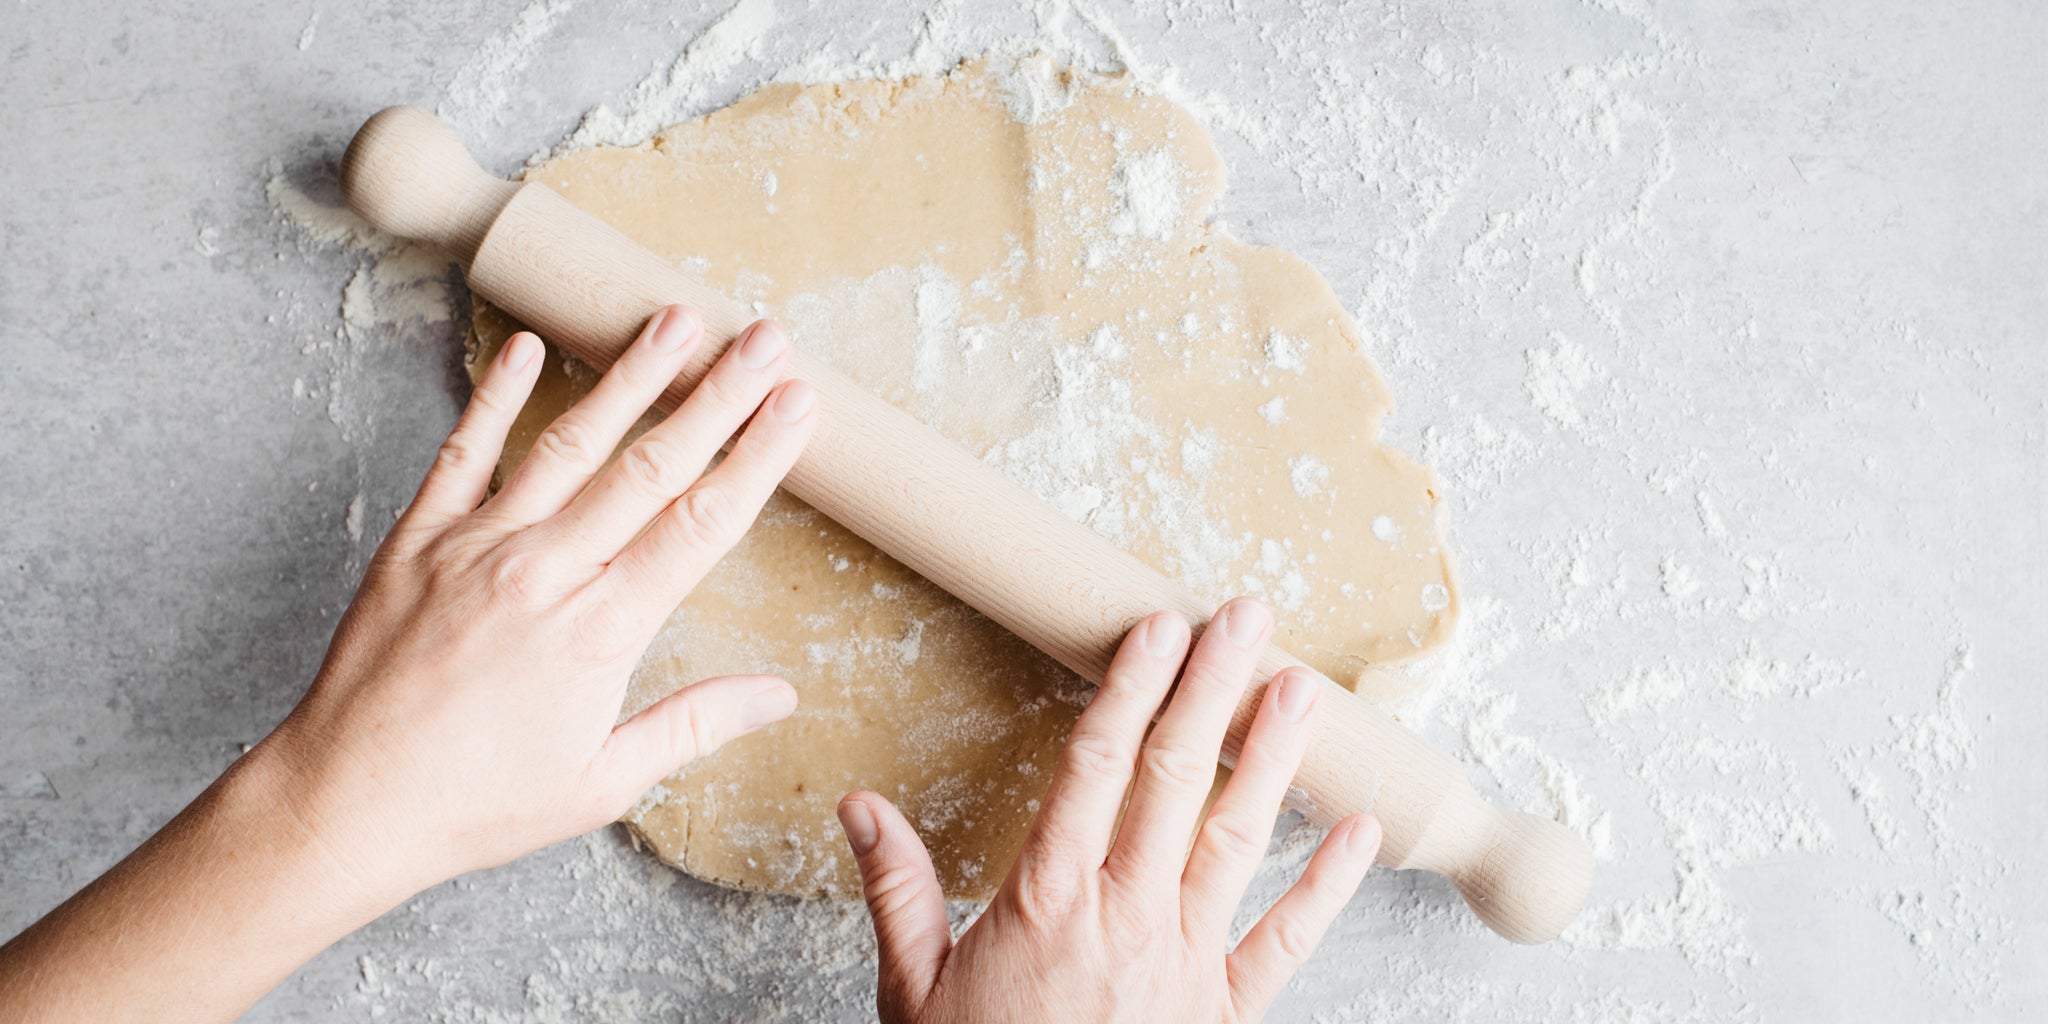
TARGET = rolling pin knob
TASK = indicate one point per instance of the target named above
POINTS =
(1525, 876)
(1531, 884)
(408, 174)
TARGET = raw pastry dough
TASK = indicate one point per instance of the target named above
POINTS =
(1019, 256)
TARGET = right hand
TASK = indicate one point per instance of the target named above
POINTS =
(1101, 922)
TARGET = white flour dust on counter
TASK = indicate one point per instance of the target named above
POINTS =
(397, 293)
(1697, 631)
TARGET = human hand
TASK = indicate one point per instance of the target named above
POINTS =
(1101, 922)
(467, 710)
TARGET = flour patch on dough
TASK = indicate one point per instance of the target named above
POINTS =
(1149, 191)
(938, 315)
(1309, 475)
(1284, 352)
(1032, 88)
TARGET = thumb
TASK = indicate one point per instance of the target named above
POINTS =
(687, 725)
(904, 899)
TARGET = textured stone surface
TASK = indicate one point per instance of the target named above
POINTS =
(1811, 341)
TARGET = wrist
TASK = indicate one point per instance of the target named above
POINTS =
(319, 829)
(220, 905)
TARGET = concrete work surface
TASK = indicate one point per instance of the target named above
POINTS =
(1722, 322)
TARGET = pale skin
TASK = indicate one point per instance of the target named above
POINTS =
(468, 713)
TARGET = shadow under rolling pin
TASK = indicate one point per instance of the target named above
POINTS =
(956, 521)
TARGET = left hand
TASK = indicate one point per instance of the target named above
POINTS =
(467, 711)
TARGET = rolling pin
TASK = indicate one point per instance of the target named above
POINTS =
(960, 523)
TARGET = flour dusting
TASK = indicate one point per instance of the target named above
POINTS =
(1664, 648)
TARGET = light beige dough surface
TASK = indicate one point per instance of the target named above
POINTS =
(1020, 258)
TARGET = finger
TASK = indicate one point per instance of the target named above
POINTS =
(579, 441)
(1177, 766)
(666, 563)
(461, 473)
(670, 457)
(684, 726)
(1234, 837)
(1078, 816)
(1281, 941)
(903, 897)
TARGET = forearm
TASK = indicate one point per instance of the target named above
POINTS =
(232, 896)
(468, 710)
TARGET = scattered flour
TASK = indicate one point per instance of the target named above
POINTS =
(1383, 528)
(1032, 88)
(483, 86)
(1284, 352)
(1678, 773)
(395, 280)
(1151, 194)
(683, 90)
(938, 315)
(1309, 475)
(1679, 581)
(1198, 453)
(352, 520)
(1556, 376)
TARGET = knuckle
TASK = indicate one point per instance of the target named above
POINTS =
(702, 734)
(1096, 756)
(456, 452)
(657, 466)
(711, 516)
(598, 633)
(1206, 678)
(890, 887)
(730, 387)
(1182, 768)
(1046, 895)
(488, 399)
(1316, 881)
(436, 562)
(1290, 938)
(1234, 836)
(569, 440)
(1132, 685)
(448, 561)
(634, 372)
(523, 577)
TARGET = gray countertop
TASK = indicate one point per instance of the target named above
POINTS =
(1724, 325)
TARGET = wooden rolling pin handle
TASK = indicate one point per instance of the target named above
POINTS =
(959, 523)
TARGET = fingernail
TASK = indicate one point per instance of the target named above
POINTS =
(1244, 622)
(519, 350)
(1159, 636)
(1298, 693)
(861, 831)
(1364, 838)
(673, 329)
(794, 401)
(772, 701)
(764, 341)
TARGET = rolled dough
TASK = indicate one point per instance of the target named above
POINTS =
(1021, 257)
